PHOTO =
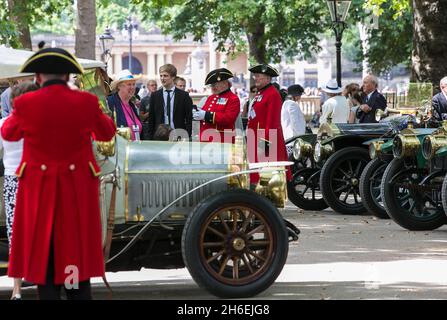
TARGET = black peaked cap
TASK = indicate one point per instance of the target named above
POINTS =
(266, 69)
(53, 61)
(218, 75)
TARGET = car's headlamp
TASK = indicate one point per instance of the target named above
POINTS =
(301, 149)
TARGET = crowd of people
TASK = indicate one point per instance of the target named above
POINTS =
(37, 157)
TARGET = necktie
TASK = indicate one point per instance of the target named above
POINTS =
(168, 106)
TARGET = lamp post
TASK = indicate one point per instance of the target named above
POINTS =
(130, 26)
(106, 40)
(339, 10)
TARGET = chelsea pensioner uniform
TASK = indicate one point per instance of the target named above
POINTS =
(266, 114)
(222, 111)
(57, 200)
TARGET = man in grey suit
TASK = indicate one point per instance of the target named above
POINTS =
(372, 100)
(439, 101)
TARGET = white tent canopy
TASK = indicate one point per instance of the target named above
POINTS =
(12, 59)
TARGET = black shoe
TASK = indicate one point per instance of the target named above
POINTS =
(26, 284)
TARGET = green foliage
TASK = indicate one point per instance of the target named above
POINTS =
(391, 43)
(280, 27)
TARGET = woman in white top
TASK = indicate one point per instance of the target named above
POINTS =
(293, 122)
(292, 118)
(336, 106)
(12, 154)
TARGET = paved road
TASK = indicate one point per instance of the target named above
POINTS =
(337, 257)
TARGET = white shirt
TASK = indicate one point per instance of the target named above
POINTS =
(293, 122)
(12, 153)
(165, 98)
(338, 107)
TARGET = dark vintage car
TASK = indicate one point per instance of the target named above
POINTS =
(175, 204)
(411, 183)
(381, 153)
(335, 158)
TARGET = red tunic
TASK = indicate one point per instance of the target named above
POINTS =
(58, 195)
(225, 108)
(264, 124)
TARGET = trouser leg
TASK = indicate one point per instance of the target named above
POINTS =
(84, 291)
(49, 291)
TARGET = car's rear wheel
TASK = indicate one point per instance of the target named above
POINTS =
(304, 189)
(235, 244)
(370, 182)
(340, 179)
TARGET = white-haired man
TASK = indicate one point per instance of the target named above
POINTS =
(439, 101)
(372, 100)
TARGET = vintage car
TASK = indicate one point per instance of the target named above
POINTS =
(303, 189)
(175, 204)
(381, 154)
(410, 192)
(336, 157)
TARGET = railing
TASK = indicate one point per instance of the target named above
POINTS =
(309, 105)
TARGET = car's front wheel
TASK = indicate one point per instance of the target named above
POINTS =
(235, 244)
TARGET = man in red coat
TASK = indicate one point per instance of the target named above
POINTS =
(57, 227)
(265, 140)
(219, 113)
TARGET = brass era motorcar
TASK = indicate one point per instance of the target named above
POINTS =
(411, 185)
(175, 204)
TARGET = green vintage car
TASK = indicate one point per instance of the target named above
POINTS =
(381, 153)
(411, 194)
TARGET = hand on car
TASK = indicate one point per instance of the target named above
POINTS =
(198, 115)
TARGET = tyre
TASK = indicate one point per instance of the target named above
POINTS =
(340, 177)
(410, 205)
(304, 189)
(444, 194)
(235, 244)
(370, 182)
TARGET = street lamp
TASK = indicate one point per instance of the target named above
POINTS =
(339, 10)
(130, 26)
(106, 40)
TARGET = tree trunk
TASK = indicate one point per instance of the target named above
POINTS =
(85, 31)
(18, 14)
(429, 41)
(256, 43)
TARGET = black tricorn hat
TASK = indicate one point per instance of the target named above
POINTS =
(218, 75)
(295, 90)
(266, 69)
(53, 61)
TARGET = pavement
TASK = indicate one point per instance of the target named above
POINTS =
(337, 257)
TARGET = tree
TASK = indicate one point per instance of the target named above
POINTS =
(429, 41)
(18, 15)
(18, 12)
(85, 32)
(428, 45)
(272, 28)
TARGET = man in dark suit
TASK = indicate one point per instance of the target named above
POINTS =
(439, 101)
(372, 100)
(169, 105)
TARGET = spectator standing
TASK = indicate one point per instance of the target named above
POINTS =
(57, 224)
(180, 83)
(336, 106)
(12, 154)
(121, 104)
(439, 101)
(292, 118)
(144, 108)
(371, 102)
(264, 120)
(169, 105)
(220, 110)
